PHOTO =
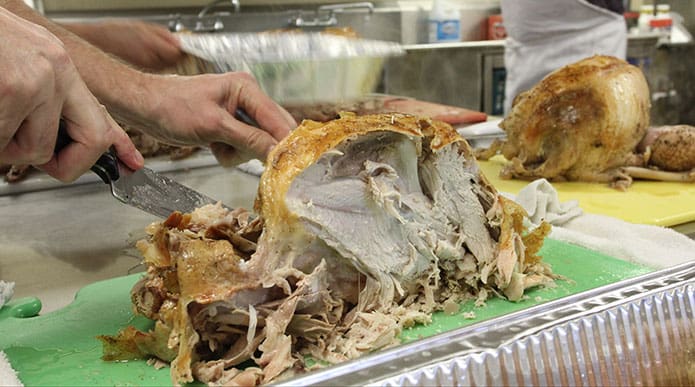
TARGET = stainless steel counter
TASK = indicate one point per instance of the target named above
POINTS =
(56, 241)
(687, 229)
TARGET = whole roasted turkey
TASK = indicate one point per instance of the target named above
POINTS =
(584, 122)
(366, 225)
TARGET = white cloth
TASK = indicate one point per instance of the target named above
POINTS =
(539, 198)
(6, 292)
(253, 167)
(653, 246)
(543, 36)
(8, 376)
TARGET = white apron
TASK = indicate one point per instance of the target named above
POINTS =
(544, 35)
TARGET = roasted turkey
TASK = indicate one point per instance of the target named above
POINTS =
(583, 122)
(366, 225)
(669, 152)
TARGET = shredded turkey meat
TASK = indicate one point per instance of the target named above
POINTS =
(366, 225)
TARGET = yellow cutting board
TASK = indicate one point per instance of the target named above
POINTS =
(645, 202)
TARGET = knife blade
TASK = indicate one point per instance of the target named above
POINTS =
(144, 189)
(155, 193)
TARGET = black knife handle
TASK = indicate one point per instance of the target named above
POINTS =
(107, 165)
(241, 115)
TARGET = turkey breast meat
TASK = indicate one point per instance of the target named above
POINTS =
(367, 224)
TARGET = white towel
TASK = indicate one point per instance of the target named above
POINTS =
(6, 292)
(8, 376)
(253, 167)
(653, 246)
(539, 198)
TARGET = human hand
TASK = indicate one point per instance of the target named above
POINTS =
(39, 85)
(146, 45)
(199, 110)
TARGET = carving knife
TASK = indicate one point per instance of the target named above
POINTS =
(144, 189)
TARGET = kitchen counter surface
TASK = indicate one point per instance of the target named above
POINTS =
(687, 229)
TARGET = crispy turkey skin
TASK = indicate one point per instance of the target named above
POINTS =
(584, 122)
(367, 224)
(581, 122)
(669, 152)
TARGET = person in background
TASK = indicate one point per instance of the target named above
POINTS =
(543, 36)
(178, 110)
(38, 85)
(148, 46)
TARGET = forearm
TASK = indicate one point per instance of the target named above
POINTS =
(196, 110)
(122, 89)
(86, 31)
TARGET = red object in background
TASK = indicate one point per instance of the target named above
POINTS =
(661, 23)
(453, 115)
(495, 28)
(631, 19)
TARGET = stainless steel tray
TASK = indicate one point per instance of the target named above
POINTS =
(638, 331)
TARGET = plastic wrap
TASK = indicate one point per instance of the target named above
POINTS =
(297, 68)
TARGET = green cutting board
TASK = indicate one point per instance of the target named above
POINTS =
(60, 348)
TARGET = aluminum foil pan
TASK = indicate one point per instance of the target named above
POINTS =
(635, 332)
(297, 68)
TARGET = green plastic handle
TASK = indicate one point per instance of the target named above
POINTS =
(21, 308)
